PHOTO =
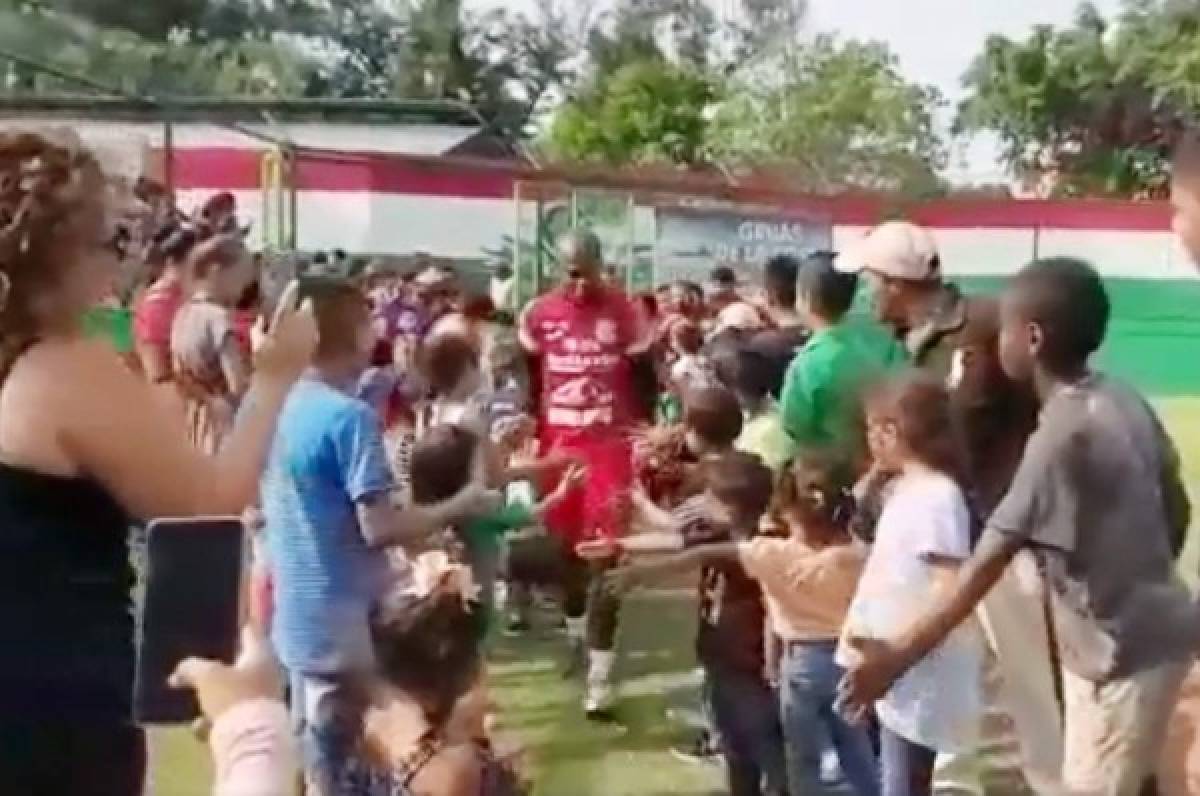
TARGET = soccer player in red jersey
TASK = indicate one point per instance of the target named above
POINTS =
(587, 338)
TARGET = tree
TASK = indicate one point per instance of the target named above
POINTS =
(520, 63)
(502, 64)
(839, 115)
(767, 29)
(152, 20)
(1092, 109)
(648, 111)
(186, 64)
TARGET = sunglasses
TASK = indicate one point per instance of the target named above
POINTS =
(117, 242)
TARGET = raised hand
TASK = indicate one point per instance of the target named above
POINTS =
(219, 687)
(869, 677)
(291, 341)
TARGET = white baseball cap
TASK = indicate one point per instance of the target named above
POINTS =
(740, 315)
(896, 249)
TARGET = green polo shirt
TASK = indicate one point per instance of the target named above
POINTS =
(763, 435)
(822, 392)
(114, 324)
(484, 533)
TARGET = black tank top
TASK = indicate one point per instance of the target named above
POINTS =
(66, 626)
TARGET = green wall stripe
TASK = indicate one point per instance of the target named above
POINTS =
(1154, 337)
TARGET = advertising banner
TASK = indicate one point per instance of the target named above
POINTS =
(693, 241)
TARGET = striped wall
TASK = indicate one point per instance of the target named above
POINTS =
(454, 212)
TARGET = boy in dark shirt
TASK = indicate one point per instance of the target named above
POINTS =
(730, 640)
(1099, 499)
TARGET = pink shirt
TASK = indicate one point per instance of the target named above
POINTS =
(808, 592)
(253, 750)
(155, 313)
(585, 348)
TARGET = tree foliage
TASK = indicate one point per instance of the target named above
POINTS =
(502, 63)
(627, 82)
(129, 63)
(748, 95)
(1091, 109)
(648, 111)
(838, 115)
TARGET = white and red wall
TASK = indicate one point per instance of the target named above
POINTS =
(398, 199)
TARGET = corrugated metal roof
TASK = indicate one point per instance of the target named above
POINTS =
(441, 112)
(406, 139)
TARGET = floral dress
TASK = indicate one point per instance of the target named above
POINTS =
(200, 333)
(355, 776)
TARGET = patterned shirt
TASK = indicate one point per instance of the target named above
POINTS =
(584, 346)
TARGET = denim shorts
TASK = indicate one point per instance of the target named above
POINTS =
(324, 722)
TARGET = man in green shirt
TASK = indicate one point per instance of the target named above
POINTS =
(822, 391)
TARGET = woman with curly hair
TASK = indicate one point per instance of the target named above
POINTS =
(86, 449)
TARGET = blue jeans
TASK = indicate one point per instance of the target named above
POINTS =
(320, 719)
(807, 692)
(907, 766)
(744, 710)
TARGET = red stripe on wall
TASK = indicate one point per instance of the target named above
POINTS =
(231, 169)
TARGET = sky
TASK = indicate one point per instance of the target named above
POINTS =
(935, 41)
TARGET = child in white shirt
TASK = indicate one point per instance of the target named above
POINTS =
(923, 535)
(691, 369)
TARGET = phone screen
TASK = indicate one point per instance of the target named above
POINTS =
(191, 608)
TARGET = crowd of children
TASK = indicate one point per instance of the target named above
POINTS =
(849, 490)
(917, 537)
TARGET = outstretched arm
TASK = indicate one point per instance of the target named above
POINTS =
(653, 542)
(883, 662)
(687, 561)
(648, 515)
(385, 525)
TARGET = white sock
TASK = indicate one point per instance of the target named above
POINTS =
(600, 665)
(576, 629)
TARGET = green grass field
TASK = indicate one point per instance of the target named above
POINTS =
(566, 756)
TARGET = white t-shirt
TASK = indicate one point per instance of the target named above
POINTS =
(938, 702)
(470, 413)
(692, 372)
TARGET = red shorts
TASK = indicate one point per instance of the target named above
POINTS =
(594, 509)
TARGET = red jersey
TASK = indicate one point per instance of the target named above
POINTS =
(585, 345)
(155, 313)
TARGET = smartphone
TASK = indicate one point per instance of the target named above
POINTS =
(191, 608)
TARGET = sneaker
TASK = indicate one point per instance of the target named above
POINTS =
(517, 626)
(699, 752)
(831, 769)
(598, 702)
(688, 717)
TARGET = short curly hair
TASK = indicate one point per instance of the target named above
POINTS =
(1067, 297)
